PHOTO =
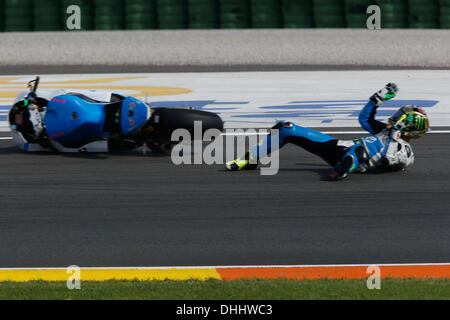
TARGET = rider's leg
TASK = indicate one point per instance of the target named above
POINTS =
(311, 140)
(353, 158)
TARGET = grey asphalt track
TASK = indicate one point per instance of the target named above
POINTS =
(134, 210)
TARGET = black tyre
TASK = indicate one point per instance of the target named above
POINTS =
(164, 121)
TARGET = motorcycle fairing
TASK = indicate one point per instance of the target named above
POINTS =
(134, 113)
(71, 120)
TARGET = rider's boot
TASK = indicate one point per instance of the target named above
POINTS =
(241, 164)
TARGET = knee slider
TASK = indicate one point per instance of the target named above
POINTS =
(352, 160)
(360, 153)
(361, 156)
(344, 166)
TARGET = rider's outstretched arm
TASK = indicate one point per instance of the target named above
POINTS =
(367, 114)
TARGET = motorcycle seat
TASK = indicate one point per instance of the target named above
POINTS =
(84, 97)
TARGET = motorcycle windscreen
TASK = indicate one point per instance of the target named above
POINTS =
(71, 120)
(134, 114)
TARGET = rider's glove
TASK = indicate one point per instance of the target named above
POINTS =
(385, 94)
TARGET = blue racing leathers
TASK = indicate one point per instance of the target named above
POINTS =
(383, 149)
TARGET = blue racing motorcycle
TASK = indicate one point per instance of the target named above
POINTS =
(90, 121)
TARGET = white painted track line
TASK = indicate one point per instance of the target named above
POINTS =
(265, 133)
(243, 266)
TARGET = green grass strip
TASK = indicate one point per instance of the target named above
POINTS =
(391, 289)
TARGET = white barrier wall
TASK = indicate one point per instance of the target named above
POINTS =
(410, 48)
